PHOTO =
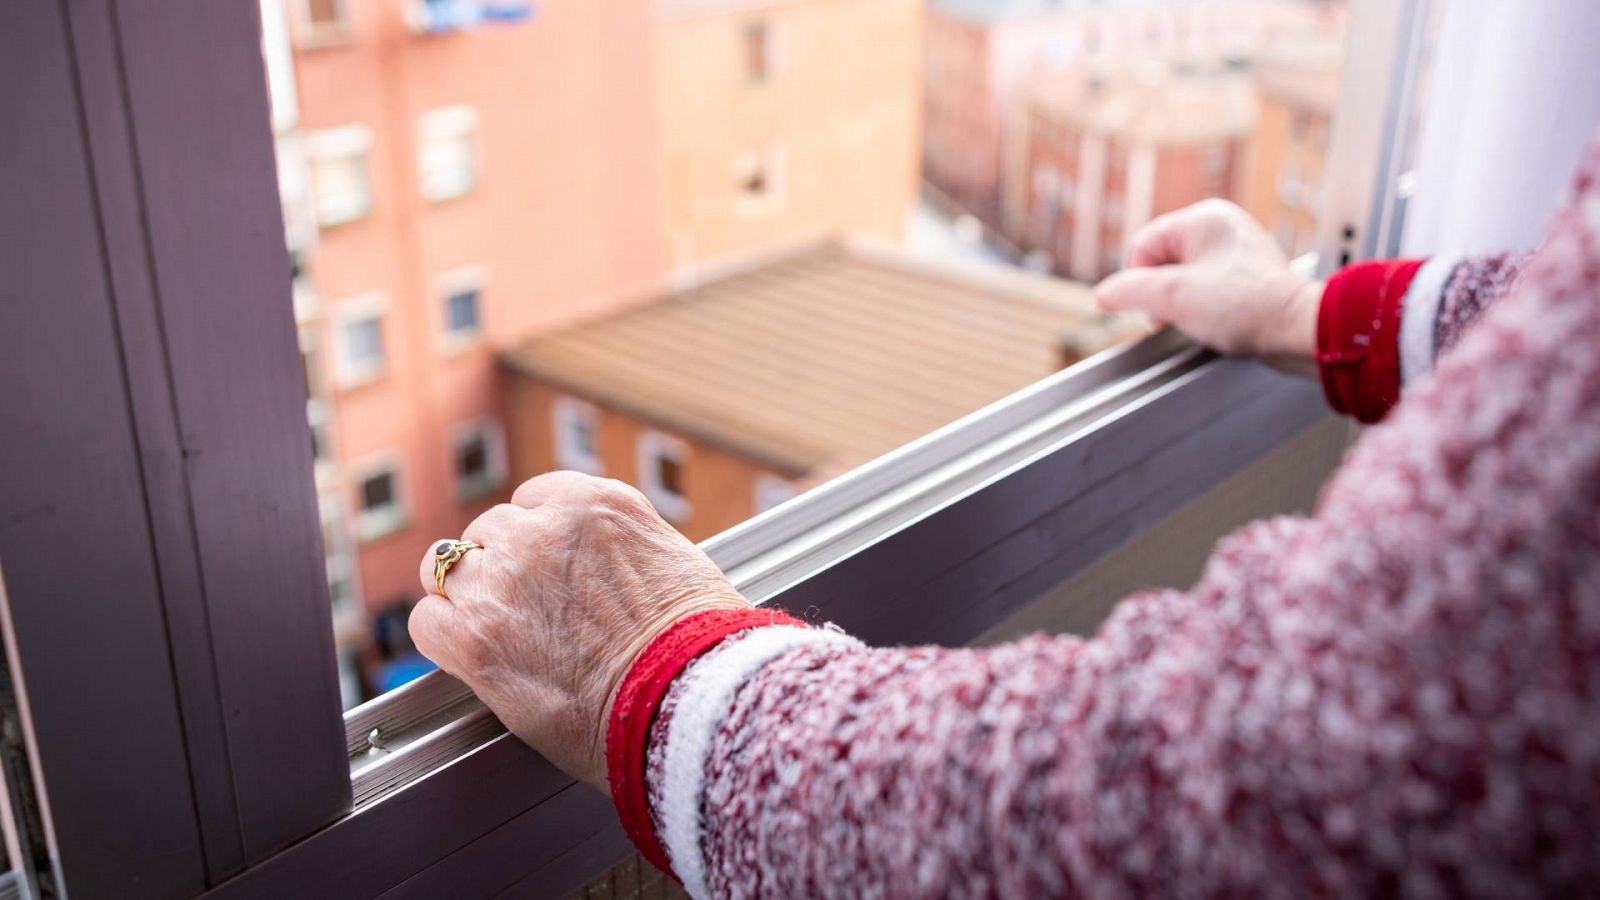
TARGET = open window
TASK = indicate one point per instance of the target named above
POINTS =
(970, 453)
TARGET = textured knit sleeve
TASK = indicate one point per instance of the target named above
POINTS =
(1400, 695)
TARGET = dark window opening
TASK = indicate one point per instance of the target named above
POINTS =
(461, 312)
(378, 491)
(669, 474)
(472, 459)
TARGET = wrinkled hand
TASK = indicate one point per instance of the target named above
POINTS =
(1212, 272)
(576, 576)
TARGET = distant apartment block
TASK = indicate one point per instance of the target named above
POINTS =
(783, 119)
(982, 53)
(1107, 150)
(724, 400)
(1299, 89)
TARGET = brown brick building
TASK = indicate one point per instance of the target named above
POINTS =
(784, 371)
(982, 54)
(1108, 150)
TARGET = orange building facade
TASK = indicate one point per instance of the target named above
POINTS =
(1299, 93)
(786, 120)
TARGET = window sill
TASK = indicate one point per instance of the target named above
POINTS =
(355, 379)
(343, 220)
(323, 37)
(376, 528)
(478, 489)
(457, 343)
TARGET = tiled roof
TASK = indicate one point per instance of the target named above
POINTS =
(824, 357)
(1304, 73)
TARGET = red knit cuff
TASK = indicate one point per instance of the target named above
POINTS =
(641, 693)
(1358, 336)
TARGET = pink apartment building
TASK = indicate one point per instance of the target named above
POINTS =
(447, 191)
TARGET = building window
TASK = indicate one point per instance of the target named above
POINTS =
(339, 176)
(447, 152)
(480, 459)
(772, 491)
(758, 183)
(324, 21)
(1114, 210)
(317, 417)
(359, 324)
(577, 436)
(380, 507)
(461, 309)
(758, 51)
(661, 474)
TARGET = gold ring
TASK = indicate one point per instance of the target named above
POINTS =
(445, 554)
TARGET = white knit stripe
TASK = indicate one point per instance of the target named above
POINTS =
(1419, 317)
(703, 701)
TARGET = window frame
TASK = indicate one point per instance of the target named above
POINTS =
(565, 412)
(474, 278)
(350, 373)
(651, 447)
(375, 526)
(456, 122)
(310, 35)
(496, 463)
(168, 751)
(352, 141)
(971, 518)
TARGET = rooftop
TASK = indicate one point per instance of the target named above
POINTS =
(1000, 10)
(1303, 73)
(824, 357)
(1155, 103)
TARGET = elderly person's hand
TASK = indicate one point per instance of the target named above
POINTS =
(575, 577)
(1212, 272)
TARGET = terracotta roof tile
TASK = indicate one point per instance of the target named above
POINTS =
(825, 357)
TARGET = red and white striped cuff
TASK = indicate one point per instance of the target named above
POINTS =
(703, 702)
(1358, 336)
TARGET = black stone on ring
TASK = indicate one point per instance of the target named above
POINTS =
(443, 549)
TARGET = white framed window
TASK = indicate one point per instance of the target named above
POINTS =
(461, 306)
(447, 152)
(662, 463)
(340, 179)
(773, 491)
(358, 331)
(379, 495)
(577, 435)
(324, 22)
(759, 181)
(478, 450)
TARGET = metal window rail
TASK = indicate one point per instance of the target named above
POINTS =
(400, 736)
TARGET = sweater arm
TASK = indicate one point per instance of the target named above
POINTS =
(1381, 324)
(1395, 696)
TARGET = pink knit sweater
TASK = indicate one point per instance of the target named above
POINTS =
(1399, 695)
